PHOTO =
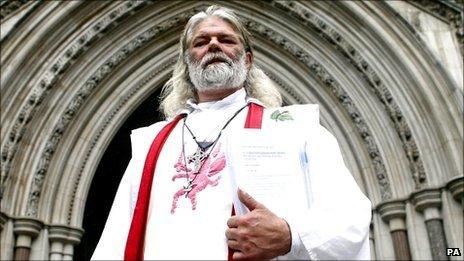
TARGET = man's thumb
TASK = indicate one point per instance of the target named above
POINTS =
(248, 200)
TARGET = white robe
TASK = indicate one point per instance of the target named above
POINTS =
(334, 226)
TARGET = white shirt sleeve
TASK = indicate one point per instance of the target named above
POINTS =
(336, 225)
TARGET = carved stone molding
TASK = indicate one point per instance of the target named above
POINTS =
(51, 76)
(342, 96)
(89, 86)
(65, 234)
(108, 119)
(284, 87)
(97, 31)
(428, 201)
(447, 11)
(146, 36)
(27, 226)
(392, 209)
(62, 239)
(456, 187)
(297, 10)
(427, 198)
(394, 213)
(25, 230)
(10, 6)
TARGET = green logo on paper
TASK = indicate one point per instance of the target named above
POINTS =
(281, 116)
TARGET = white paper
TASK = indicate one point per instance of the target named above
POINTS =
(271, 168)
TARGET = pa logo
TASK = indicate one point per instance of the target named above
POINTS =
(453, 251)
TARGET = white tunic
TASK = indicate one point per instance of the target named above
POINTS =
(334, 226)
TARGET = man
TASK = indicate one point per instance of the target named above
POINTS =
(175, 202)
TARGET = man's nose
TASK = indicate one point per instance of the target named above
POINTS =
(214, 45)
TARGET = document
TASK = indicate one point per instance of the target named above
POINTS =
(271, 167)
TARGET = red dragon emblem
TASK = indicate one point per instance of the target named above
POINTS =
(212, 165)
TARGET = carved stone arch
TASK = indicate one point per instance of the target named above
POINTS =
(124, 61)
(54, 139)
(39, 78)
(419, 84)
(132, 92)
(78, 93)
(78, 206)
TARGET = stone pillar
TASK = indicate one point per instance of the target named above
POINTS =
(394, 213)
(68, 251)
(428, 202)
(62, 240)
(25, 230)
(456, 187)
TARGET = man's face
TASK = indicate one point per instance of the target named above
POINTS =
(214, 35)
(216, 58)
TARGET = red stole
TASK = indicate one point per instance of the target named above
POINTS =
(136, 238)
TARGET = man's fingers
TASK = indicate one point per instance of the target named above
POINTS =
(232, 222)
(248, 200)
(232, 233)
(233, 244)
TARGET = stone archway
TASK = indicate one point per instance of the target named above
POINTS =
(73, 72)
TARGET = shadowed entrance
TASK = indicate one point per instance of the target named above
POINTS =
(109, 173)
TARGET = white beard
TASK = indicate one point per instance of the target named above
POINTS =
(217, 76)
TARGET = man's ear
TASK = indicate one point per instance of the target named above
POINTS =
(249, 60)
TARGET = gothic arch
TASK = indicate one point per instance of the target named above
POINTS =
(393, 108)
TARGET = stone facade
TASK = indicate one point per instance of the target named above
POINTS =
(387, 75)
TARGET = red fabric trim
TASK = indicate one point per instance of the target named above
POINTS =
(254, 117)
(136, 238)
(254, 120)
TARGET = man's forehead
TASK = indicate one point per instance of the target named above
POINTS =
(218, 34)
(214, 26)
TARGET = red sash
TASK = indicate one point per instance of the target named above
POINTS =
(136, 238)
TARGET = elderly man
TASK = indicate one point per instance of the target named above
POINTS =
(175, 200)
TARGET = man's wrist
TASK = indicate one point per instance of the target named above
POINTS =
(288, 239)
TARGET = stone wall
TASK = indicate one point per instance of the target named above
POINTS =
(387, 77)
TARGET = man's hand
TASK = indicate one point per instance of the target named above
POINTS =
(259, 234)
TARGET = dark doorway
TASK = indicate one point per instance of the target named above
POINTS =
(109, 173)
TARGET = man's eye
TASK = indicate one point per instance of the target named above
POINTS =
(198, 44)
(228, 41)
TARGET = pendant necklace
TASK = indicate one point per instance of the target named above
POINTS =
(202, 151)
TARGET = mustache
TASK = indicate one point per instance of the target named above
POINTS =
(210, 58)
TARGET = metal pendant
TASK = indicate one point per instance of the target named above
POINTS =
(197, 159)
(204, 145)
(189, 187)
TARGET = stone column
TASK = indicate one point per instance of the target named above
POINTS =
(62, 240)
(428, 202)
(6, 237)
(394, 213)
(456, 187)
(25, 230)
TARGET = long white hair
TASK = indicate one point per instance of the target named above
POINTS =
(178, 89)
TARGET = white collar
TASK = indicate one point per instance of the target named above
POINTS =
(239, 97)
